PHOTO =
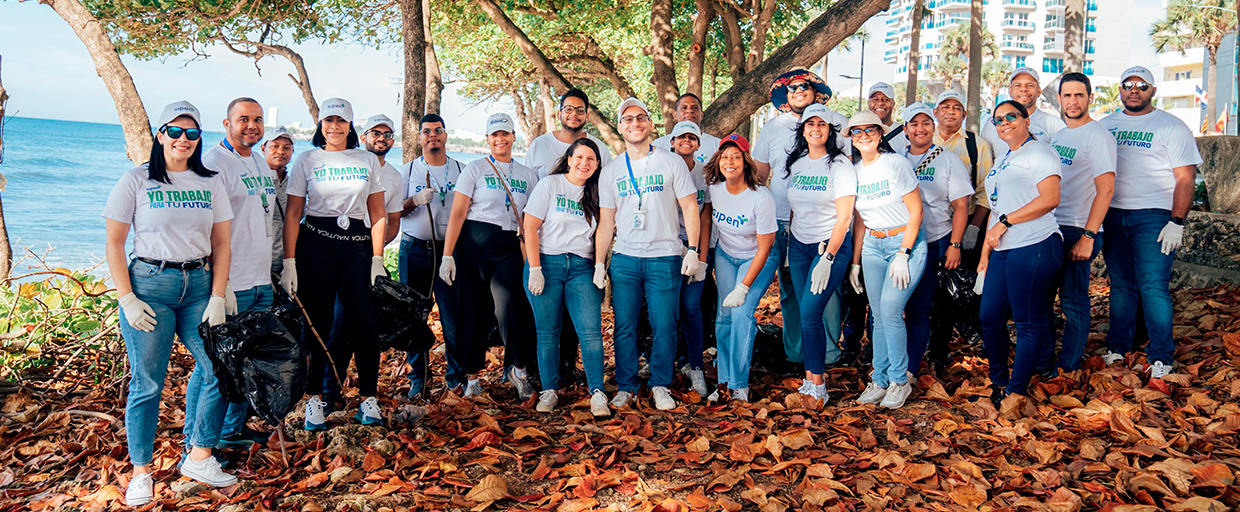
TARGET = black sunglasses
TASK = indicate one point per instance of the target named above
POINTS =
(803, 86)
(1133, 84)
(175, 132)
(385, 135)
(1007, 118)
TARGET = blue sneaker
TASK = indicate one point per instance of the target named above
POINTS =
(369, 413)
(316, 419)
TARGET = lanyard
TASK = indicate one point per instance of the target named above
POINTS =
(263, 196)
(908, 149)
(633, 179)
(1009, 153)
(503, 181)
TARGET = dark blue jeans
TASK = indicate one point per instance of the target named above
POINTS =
(691, 324)
(658, 280)
(1140, 277)
(569, 284)
(1019, 278)
(917, 311)
(819, 314)
(1072, 286)
(419, 268)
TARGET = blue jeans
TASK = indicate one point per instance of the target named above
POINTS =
(789, 306)
(418, 267)
(658, 280)
(887, 304)
(1072, 284)
(1140, 278)
(1019, 278)
(569, 282)
(820, 314)
(257, 298)
(917, 312)
(736, 327)
(691, 317)
(179, 299)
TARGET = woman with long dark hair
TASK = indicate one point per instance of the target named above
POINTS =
(340, 244)
(180, 216)
(560, 219)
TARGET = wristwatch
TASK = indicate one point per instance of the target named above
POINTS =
(1003, 220)
(1179, 221)
(957, 245)
(1089, 234)
(828, 256)
(692, 248)
(907, 250)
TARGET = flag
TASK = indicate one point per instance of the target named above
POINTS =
(1222, 122)
(1201, 96)
(1205, 123)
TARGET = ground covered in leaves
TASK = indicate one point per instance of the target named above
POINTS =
(1099, 439)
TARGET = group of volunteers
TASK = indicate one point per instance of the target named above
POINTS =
(520, 248)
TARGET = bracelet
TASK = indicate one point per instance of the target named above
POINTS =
(957, 245)
(1004, 220)
(1088, 234)
(217, 293)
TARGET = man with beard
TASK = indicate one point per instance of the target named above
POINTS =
(1155, 174)
(547, 149)
(881, 101)
(689, 108)
(278, 151)
(1024, 87)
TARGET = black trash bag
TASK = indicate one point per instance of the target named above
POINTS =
(963, 305)
(257, 360)
(768, 348)
(402, 315)
(283, 306)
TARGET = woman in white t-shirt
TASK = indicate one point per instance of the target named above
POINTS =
(484, 231)
(336, 251)
(560, 219)
(180, 216)
(686, 141)
(744, 215)
(822, 187)
(892, 252)
(1023, 250)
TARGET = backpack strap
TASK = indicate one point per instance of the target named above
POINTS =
(970, 144)
(893, 133)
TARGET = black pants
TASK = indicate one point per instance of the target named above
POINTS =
(327, 268)
(489, 265)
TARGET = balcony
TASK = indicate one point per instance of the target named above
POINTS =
(1028, 5)
(950, 5)
(1017, 25)
(1056, 5)
(1016, 47)
(1056, 24)
(1053, 49)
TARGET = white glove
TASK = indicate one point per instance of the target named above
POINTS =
(137, 313)
(689, 266)
(736, 297)
(230, 300)
(854, 277)
(970, 237)
(536, 280)
(897, 271)
(981, 278)
(819, 276)
(376, 268)
(699, 275)
(214, 315)
(288, 277)
(423, 196)
(600, 275)
(1171, 236)
(447, 269)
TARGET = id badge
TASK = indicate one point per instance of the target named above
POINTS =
(639, 219)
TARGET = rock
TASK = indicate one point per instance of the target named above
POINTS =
(1211, 252)
(187, 488)
(1220, 167)
(345, 474)
(384, 447)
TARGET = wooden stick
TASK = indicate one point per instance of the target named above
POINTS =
(331, 361)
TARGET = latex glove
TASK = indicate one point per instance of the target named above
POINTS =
(423, 196)
(1171, 236)
(854, 277)
(376, 268)
(447, 269)
(736, 297)
(819, 276)
(230, 300)
(214, 315)
(970, 237)
(981, 278)
(689, 266)
(137, 313)
(600, 275)
(536, 281)
(288, 277)
(897, 271)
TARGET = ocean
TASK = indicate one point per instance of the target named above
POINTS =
(59, 176)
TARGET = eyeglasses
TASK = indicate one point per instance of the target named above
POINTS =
(870, 131)
(1133, 84)
(1010, 117)
(798, 87)
(427, 132)
(569, 109)
(382, 135)
(641, 118)
(175, 132)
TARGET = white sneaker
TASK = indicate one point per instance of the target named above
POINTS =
(819, 391)
(369, 412)
(741, 394)
(473, 388)
(547, 400)
(598, 404)
(141, 490)
(522, 383)
(662, 398)
(208, 472)
(1111, 358)
(872, 394)
(1159, 370)
(697, 379)
(621, 400)
(806, 384)
(316, 419)
(714, 396)
(896, 395)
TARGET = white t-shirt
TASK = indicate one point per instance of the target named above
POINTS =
(1085, 153)
(170, 222)
(661, 180)
(740, 218)
(545, 150)
(1012, 183)
(709, 144)
(488, 200)
(1149, 148)
(900, 142)
(703, 194)
(564, 230)
(881, 187)
(1043, 126)
(393, 196)
(945, 179)
(443, 180)
(336, 183)
(252, 196)
(812, 191)
(776, 141)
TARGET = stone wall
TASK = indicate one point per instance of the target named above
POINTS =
(1220, 167)
(1211, 252)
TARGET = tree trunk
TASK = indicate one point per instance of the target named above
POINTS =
(414, 36)
(762, 13)
(116, 78)
(1212, 98)
(546, 109)
(818, 37)
(1074, 36)
(527, 116)
(735, 50)
(434, 79)
(697, 46)
(262, 49)
(6, 250)
(914, 54)
(974, 90)
(664, 67)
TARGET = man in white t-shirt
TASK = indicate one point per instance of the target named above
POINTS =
(881, 101)
(377, 135)
(278, 151)
(1155, 177)
(641, 194)
(1024, 87)
(689, 108)
(547, 149)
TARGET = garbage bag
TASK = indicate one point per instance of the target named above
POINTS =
(962, 305)
(402, 315)
(283, 306)
(257, 360)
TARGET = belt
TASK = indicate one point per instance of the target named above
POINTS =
(334, 236)
(417, 242)
(876, 233)
(179, 265)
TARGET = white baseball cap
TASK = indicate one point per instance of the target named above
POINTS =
(883, 87)
(1139, 72)
(178, 109)
(631, 102)
(278, 133)
(1025, 70)
(817, 110)
(500, 122)
(915, 108)
(684, 127)
(950, 95)
(336, 107)
(376, 120)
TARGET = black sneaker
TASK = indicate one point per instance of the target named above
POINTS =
(334, 402)
(246, 437)
(997, 395)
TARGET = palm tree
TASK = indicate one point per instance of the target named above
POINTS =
(955, 51)
(995, 78)
(1107, 99)
(1193, 23)
(860, 35)
(914, 55)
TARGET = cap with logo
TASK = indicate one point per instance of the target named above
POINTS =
(950, 95)
(737, 140)
(279, 133)
(178, 109)
(1025, 70)
(631, 102)
(376, 120)
(916, 108)
(883, 87)
(1138, 72)
(336, 107)
(816, 110)
(500, 122)
(684, 127)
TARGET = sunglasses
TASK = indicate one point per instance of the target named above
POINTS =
(869, 131)
(639, 118)
(432, 131)
(175, 132)
(1133, 84)
(1008, 118)
(569, 109)
(803, 86)
(383, 135)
